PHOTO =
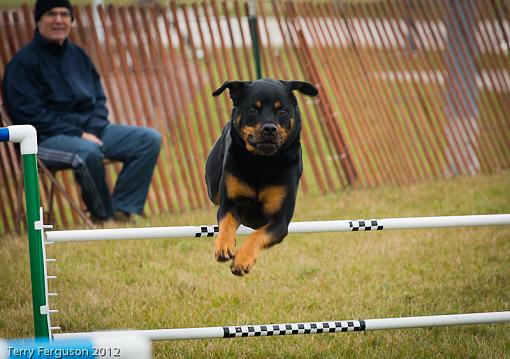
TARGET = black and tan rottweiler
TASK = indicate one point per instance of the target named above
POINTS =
(254, 168)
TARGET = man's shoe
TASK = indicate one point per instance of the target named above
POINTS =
(121, 216)
(101, 222)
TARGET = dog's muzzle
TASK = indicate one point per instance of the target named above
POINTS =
(267, 141)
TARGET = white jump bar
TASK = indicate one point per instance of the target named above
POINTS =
(294, 227)
(309, 327)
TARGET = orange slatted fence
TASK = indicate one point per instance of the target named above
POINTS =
(410, 90)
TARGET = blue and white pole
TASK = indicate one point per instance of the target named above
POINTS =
(100, 346)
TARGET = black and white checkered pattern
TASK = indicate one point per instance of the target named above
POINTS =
(207, 231)
(294, 328)
(365, 225)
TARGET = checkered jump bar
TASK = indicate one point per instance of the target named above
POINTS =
(293, 328)
(294, 227)
(207, 231)
(310, 327)
(363, 225)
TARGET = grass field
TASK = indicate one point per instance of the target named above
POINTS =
(177, 283)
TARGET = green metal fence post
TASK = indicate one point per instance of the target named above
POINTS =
(252, 22)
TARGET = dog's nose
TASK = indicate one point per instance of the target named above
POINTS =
(269, 129)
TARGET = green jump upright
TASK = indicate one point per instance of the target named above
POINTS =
(26, 135)
(35, 243)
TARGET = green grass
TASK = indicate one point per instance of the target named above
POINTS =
(177, 283)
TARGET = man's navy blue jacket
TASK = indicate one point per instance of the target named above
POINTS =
(55, 88)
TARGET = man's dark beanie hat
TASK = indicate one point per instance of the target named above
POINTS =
(41, 6)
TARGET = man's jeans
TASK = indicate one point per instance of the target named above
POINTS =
(138, 149)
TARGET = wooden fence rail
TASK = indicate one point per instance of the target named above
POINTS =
(410, 90)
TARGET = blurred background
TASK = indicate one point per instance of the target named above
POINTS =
(410, 90)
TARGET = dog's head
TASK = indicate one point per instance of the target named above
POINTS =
(265, 113)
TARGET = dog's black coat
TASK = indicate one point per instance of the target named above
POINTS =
(254, 168)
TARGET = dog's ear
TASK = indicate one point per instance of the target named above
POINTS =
(302, 86)
(235, 88)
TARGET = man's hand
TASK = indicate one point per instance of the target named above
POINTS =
(90, 137)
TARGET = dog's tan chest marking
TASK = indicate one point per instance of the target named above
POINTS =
(237, 188)
(271, 198)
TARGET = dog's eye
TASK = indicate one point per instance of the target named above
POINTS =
(283, 112)
(252, 111)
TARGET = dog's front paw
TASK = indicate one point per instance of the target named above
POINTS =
(224, 249)
(243, 262)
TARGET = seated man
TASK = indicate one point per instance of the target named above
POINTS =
(53, 85)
